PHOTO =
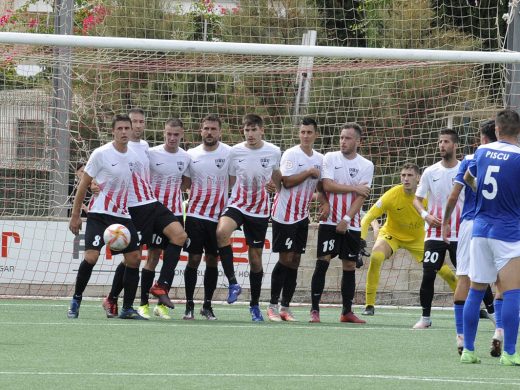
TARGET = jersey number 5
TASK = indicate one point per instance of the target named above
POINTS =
(490, 180)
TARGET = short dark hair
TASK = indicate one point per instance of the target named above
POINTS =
(487, 128)
(353, 125)
(252, 119)
(508, 121)
(174, 122)
(212, 118)
(411, 166)
(452, 133)
(308, 121)
(120, 118)
(136, 110)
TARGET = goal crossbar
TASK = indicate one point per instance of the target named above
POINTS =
(503, 57)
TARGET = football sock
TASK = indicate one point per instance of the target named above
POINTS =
(488, 300)
(130, 282)
(210, 284)
(348, 288)
(117, 282)
(190, 281)
(318, 282)
(147, 278)
(84, 273)
(170, 259)
(374, 270)
(277, 281)
(447, 274)
(458, 308)
(289, 286)
(510, 319)
(226, 259)
(255, 280)
(471, 317)
(498, 313)
(427, 290)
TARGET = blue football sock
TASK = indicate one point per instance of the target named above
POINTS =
(471, 316)
(458, 308)
(498, 313)
(510, 319)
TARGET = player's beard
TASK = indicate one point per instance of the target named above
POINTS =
(210, 143)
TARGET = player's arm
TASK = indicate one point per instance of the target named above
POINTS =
(321, 197)
(342, 227)
(470, 180)
(275, 184)
(232, 181)
(430, 219)
(448, 210)
(294, 180)
(81, 192)
(330, 185)
(375, 212)
(185, 183)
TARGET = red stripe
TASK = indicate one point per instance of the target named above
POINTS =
(289, 206)
(196, 200)
(254, 195)
(241, 195)
(343, 205)
(206, 199)
(166, 196)
(215, 201)
(136, 187)
(118, 202)
(275, 203)
(263, 205)
(297, 204)
(335, 208)
(108, 198)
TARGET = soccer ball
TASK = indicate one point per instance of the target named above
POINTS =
(117, 237)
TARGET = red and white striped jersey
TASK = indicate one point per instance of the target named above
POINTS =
(436, 185)
(140, 191)
(348, 172)
(166, 171)
(209, 173)
(112, 170)
(291, 205)
(253, 169)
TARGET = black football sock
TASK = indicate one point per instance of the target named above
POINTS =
(210, 285)
(130, 282)
(147, 278)
(348, 288)
(289, 286)
(427, 290)
(82, 278)
(117, 282)
(170, 259)
(277, 282)
(190, 281)
(255, 280)
(318, 282)
(226, 259)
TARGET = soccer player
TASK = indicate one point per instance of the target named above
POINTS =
(209, 178)
(300, 167)
(168, 163)
(253, 164)
(436, 184)
(111, 165)
(487, 135)
(495, 244)
(347, 177)
(150, 218)
(404, 228)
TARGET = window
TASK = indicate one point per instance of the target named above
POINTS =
(31, 140)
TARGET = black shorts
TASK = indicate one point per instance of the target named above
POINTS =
(346, 246)
(96, 225)
(202, 236)
(151, 219)
(159, 240)
(290, 237)
(435, 253)
(255, 228)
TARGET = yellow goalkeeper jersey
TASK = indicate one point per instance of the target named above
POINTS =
(402, 220)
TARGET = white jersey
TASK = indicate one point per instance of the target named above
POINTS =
(347, 172)
(292, 204)
(253, 169)
(112, 171)
(209, 173)
(436, 185)
(166, 170)
(140, 192)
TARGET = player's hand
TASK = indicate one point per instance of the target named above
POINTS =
(314, 173)
(94, 188)
(75, 224)
(363, 249)
(446, 230)
(324, 211)
(270, 187)
(362, 189)
(342, 227)
(433, 221)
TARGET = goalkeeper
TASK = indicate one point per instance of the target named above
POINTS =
(404, 228)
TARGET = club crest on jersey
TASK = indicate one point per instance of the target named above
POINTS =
(264, 162)
(353, 172)
(132, 166)
(180, 165)
(219, 162)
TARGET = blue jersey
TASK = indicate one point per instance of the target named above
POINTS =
(497, 213)
(468, 209)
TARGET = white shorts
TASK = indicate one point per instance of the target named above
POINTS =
(463, 250)
(488, 256)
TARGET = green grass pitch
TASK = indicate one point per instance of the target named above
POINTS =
(41, 349)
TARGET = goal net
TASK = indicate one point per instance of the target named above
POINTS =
(50, 122)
